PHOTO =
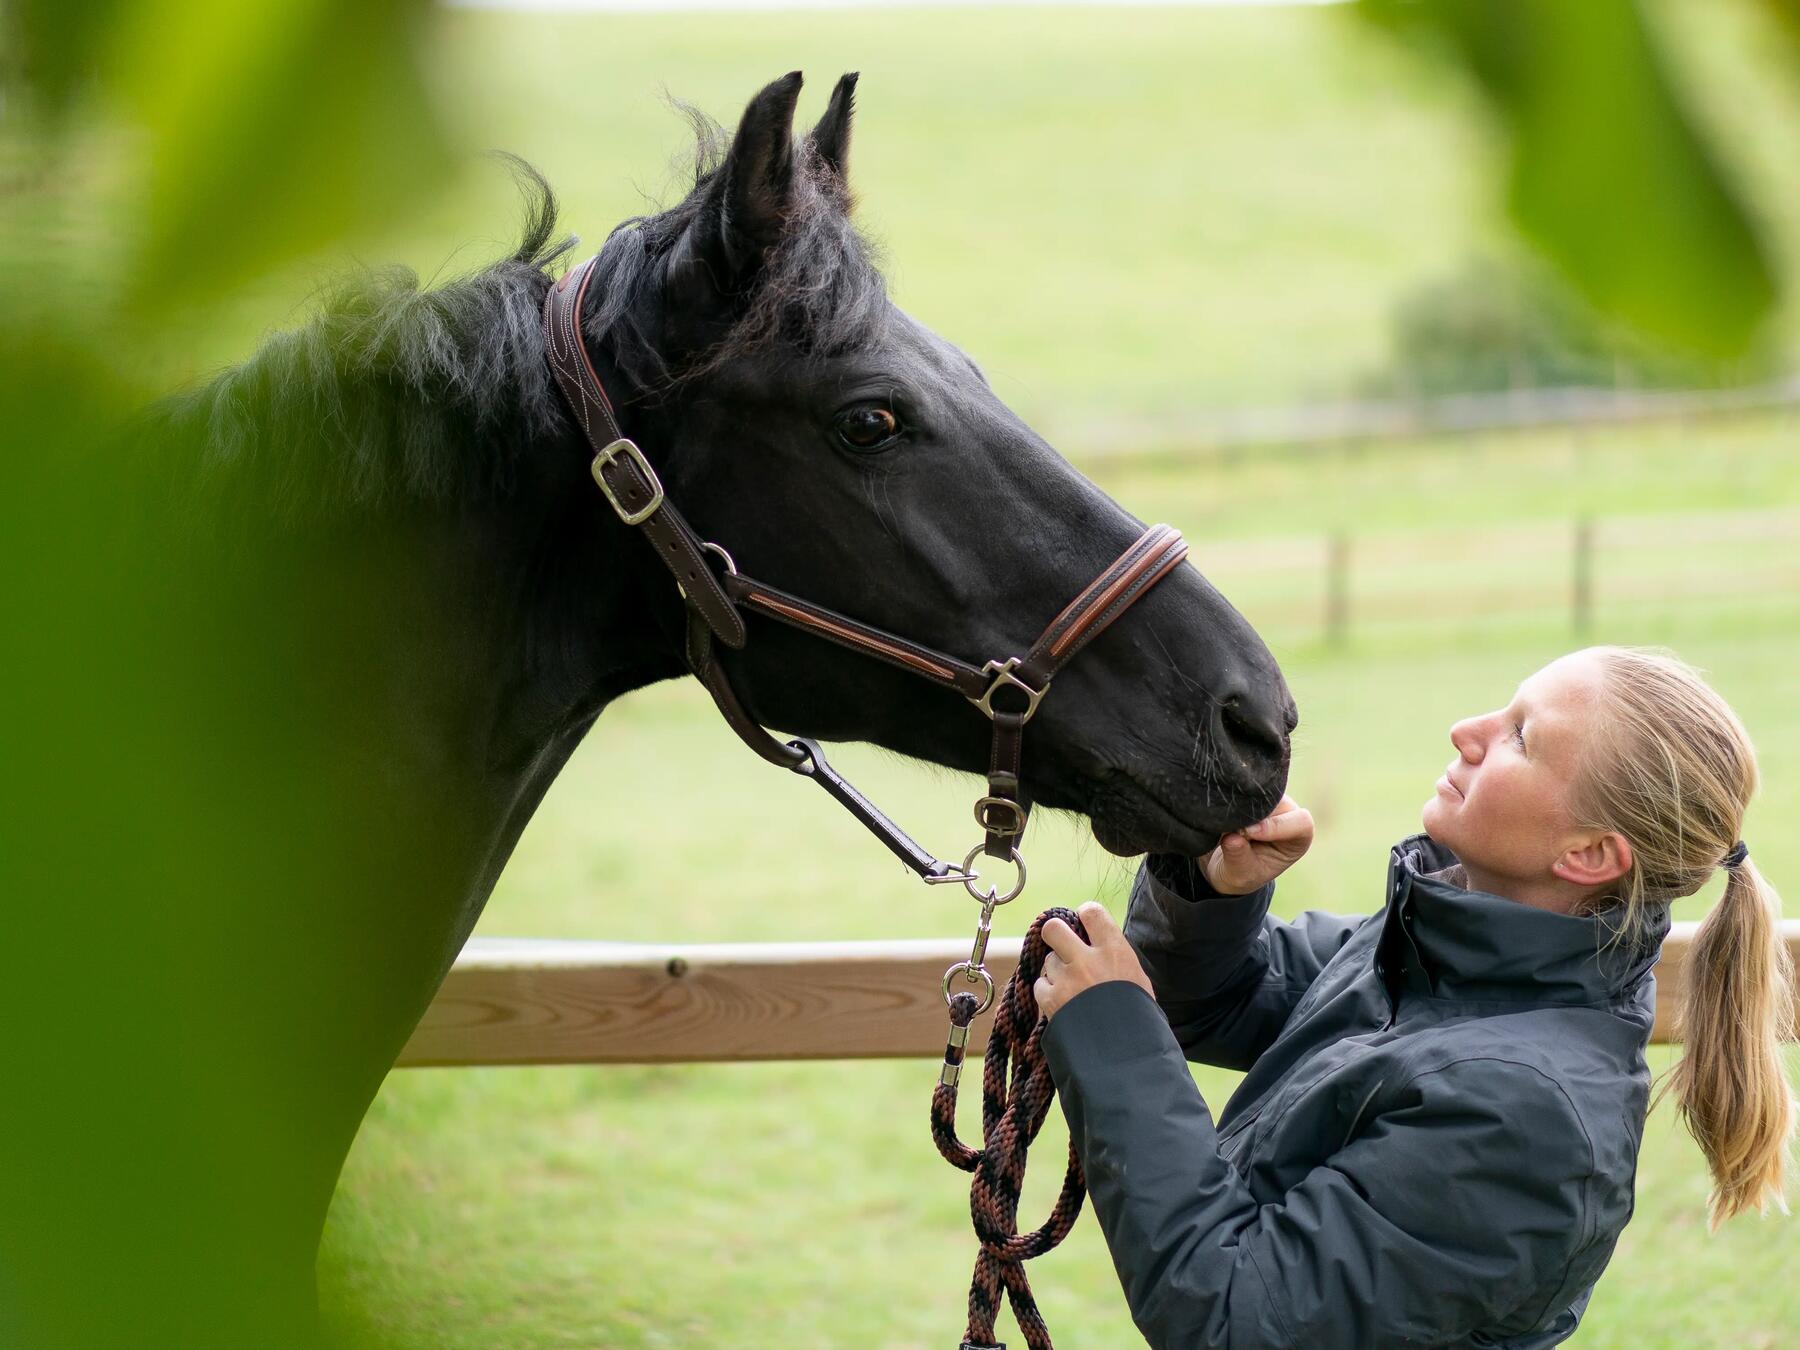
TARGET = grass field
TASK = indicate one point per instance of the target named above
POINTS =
(1126, 216)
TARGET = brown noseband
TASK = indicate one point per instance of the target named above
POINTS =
(1007, 689)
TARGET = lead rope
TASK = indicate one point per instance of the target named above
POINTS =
(1011, 1115)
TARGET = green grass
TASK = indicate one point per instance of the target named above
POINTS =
(1503, 480)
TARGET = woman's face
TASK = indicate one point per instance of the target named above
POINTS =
(1501, 806)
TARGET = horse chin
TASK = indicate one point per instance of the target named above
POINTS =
(1129, 836)
(1129, 819)
(1117, 839)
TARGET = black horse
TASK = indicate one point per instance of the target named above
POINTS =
(428, 604)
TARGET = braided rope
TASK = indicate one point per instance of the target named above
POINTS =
(1011, 1115)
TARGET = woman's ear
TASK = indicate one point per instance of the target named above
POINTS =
(1603, 858)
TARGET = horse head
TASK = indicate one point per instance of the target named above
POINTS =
(841, 450)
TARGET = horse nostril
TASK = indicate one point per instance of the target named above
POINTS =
(1254, 726)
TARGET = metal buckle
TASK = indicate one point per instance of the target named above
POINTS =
(985, 805)
(1002, 671)
(606, 455)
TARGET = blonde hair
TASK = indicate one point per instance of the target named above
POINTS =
(1671, 768)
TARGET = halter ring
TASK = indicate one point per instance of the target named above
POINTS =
(975, 975)
(1002, 671)
(992, 895)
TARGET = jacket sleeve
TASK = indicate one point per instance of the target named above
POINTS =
(1459, 1206)
(1225, 973)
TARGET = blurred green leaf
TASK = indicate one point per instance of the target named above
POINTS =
(275, 128)
(1787, 12)
(51, 45)
(164, 152)
(1609, 177)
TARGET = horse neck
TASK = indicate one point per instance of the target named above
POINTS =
(466, 651)
(514, 624)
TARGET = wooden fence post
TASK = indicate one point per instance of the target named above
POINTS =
(1337, 589)
(1583, 591)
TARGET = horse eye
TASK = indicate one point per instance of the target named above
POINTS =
(867, 428)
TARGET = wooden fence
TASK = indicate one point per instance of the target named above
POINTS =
(523, 1001)
(1325, 425)
(1580, 570)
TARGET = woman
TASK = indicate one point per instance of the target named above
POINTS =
(1436, 1139)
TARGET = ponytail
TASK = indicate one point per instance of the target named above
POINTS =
(1669, 766)
(1730, 1084)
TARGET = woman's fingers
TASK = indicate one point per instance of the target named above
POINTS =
(1289, 824)
(1060, 938)
(1100, 926)
(1098, 922)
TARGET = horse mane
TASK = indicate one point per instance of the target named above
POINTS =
(394, 393)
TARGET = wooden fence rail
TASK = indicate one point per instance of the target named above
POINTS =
(523, 1001)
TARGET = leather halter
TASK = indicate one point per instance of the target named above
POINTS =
(1007, 690)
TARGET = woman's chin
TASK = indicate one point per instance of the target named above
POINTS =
(1431, 818)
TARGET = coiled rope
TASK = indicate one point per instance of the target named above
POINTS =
(1011, 1115)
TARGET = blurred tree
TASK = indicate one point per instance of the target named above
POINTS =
(1503, 325)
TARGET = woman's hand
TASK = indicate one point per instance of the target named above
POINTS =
(1072, 965)
(1255, 855)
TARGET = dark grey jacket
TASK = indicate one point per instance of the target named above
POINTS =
(1436, 1141)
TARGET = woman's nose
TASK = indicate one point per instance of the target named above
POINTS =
(1464, 735)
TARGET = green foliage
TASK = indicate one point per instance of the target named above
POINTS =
(1609, 176)
(274, 128)
(160, 153)
(264, 129)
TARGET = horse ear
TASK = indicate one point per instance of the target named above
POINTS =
(756, 182)
(831, 137)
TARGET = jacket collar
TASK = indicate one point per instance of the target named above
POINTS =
(1459, 943)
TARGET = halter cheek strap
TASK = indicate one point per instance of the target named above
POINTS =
(624, 476)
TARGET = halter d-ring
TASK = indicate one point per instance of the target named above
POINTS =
(706, 545)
